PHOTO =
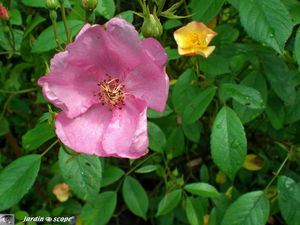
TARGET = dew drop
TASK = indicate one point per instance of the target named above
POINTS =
(234, 144)
(271, 35)
(218, 125)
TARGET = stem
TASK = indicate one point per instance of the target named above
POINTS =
(50, 147)
(5, 105)
(4, 53)
(13, 37)
(134, 168)
(277, 173)
(56, 36)
(18, 92)
(53, 16)
(63, 15)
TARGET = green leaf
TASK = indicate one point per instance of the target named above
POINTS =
(250, 208)
(172, 54)
(135, 197)
(195, 109)
(297, 46)
(267, 21)
(15, 17)
(41, 3)
(275, 112)
(247, 96)
(193, 131)
(17, 178)
(205, 10)
(46, 40)
(100, 210)
(255, 80)
(293, 7)
(169, 202)
(289, 200)
(34, 3)
(279, 77)
(227, 33)
(110, 175)
(202, 189)
(14, 80)
(221, 203)
(157, 138)
(184, 91)
(204, 174)
(214, 65)
(152, 114)
(126, 15)
(234, 3)
(194, 211)
(170, 24)
(175, 143)
(147, 169)
(82, 173)
(37, 136)
(106, 8)
(18, 35)
(4, 126)
(293, 111)
(36, 21)
(228, 142)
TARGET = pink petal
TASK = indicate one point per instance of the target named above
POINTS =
(92, 52)
(85, 132)
(69, 87)
(59, 62)
(83, 29)
(155, 51)
(125, 40)
(150, 83)
(126, 135)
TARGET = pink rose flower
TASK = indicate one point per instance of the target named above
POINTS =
(103, 83)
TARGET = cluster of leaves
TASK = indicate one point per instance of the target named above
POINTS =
(225, 150)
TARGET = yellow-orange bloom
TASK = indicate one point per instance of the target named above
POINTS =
(61, 191)
(193, 39)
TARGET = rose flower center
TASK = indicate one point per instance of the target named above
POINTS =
(111, 93)
(198, 40)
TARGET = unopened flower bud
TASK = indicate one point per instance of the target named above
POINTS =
(152, 26)
(4, 14)
(53, 15)
(51, 4)
(89, 5)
